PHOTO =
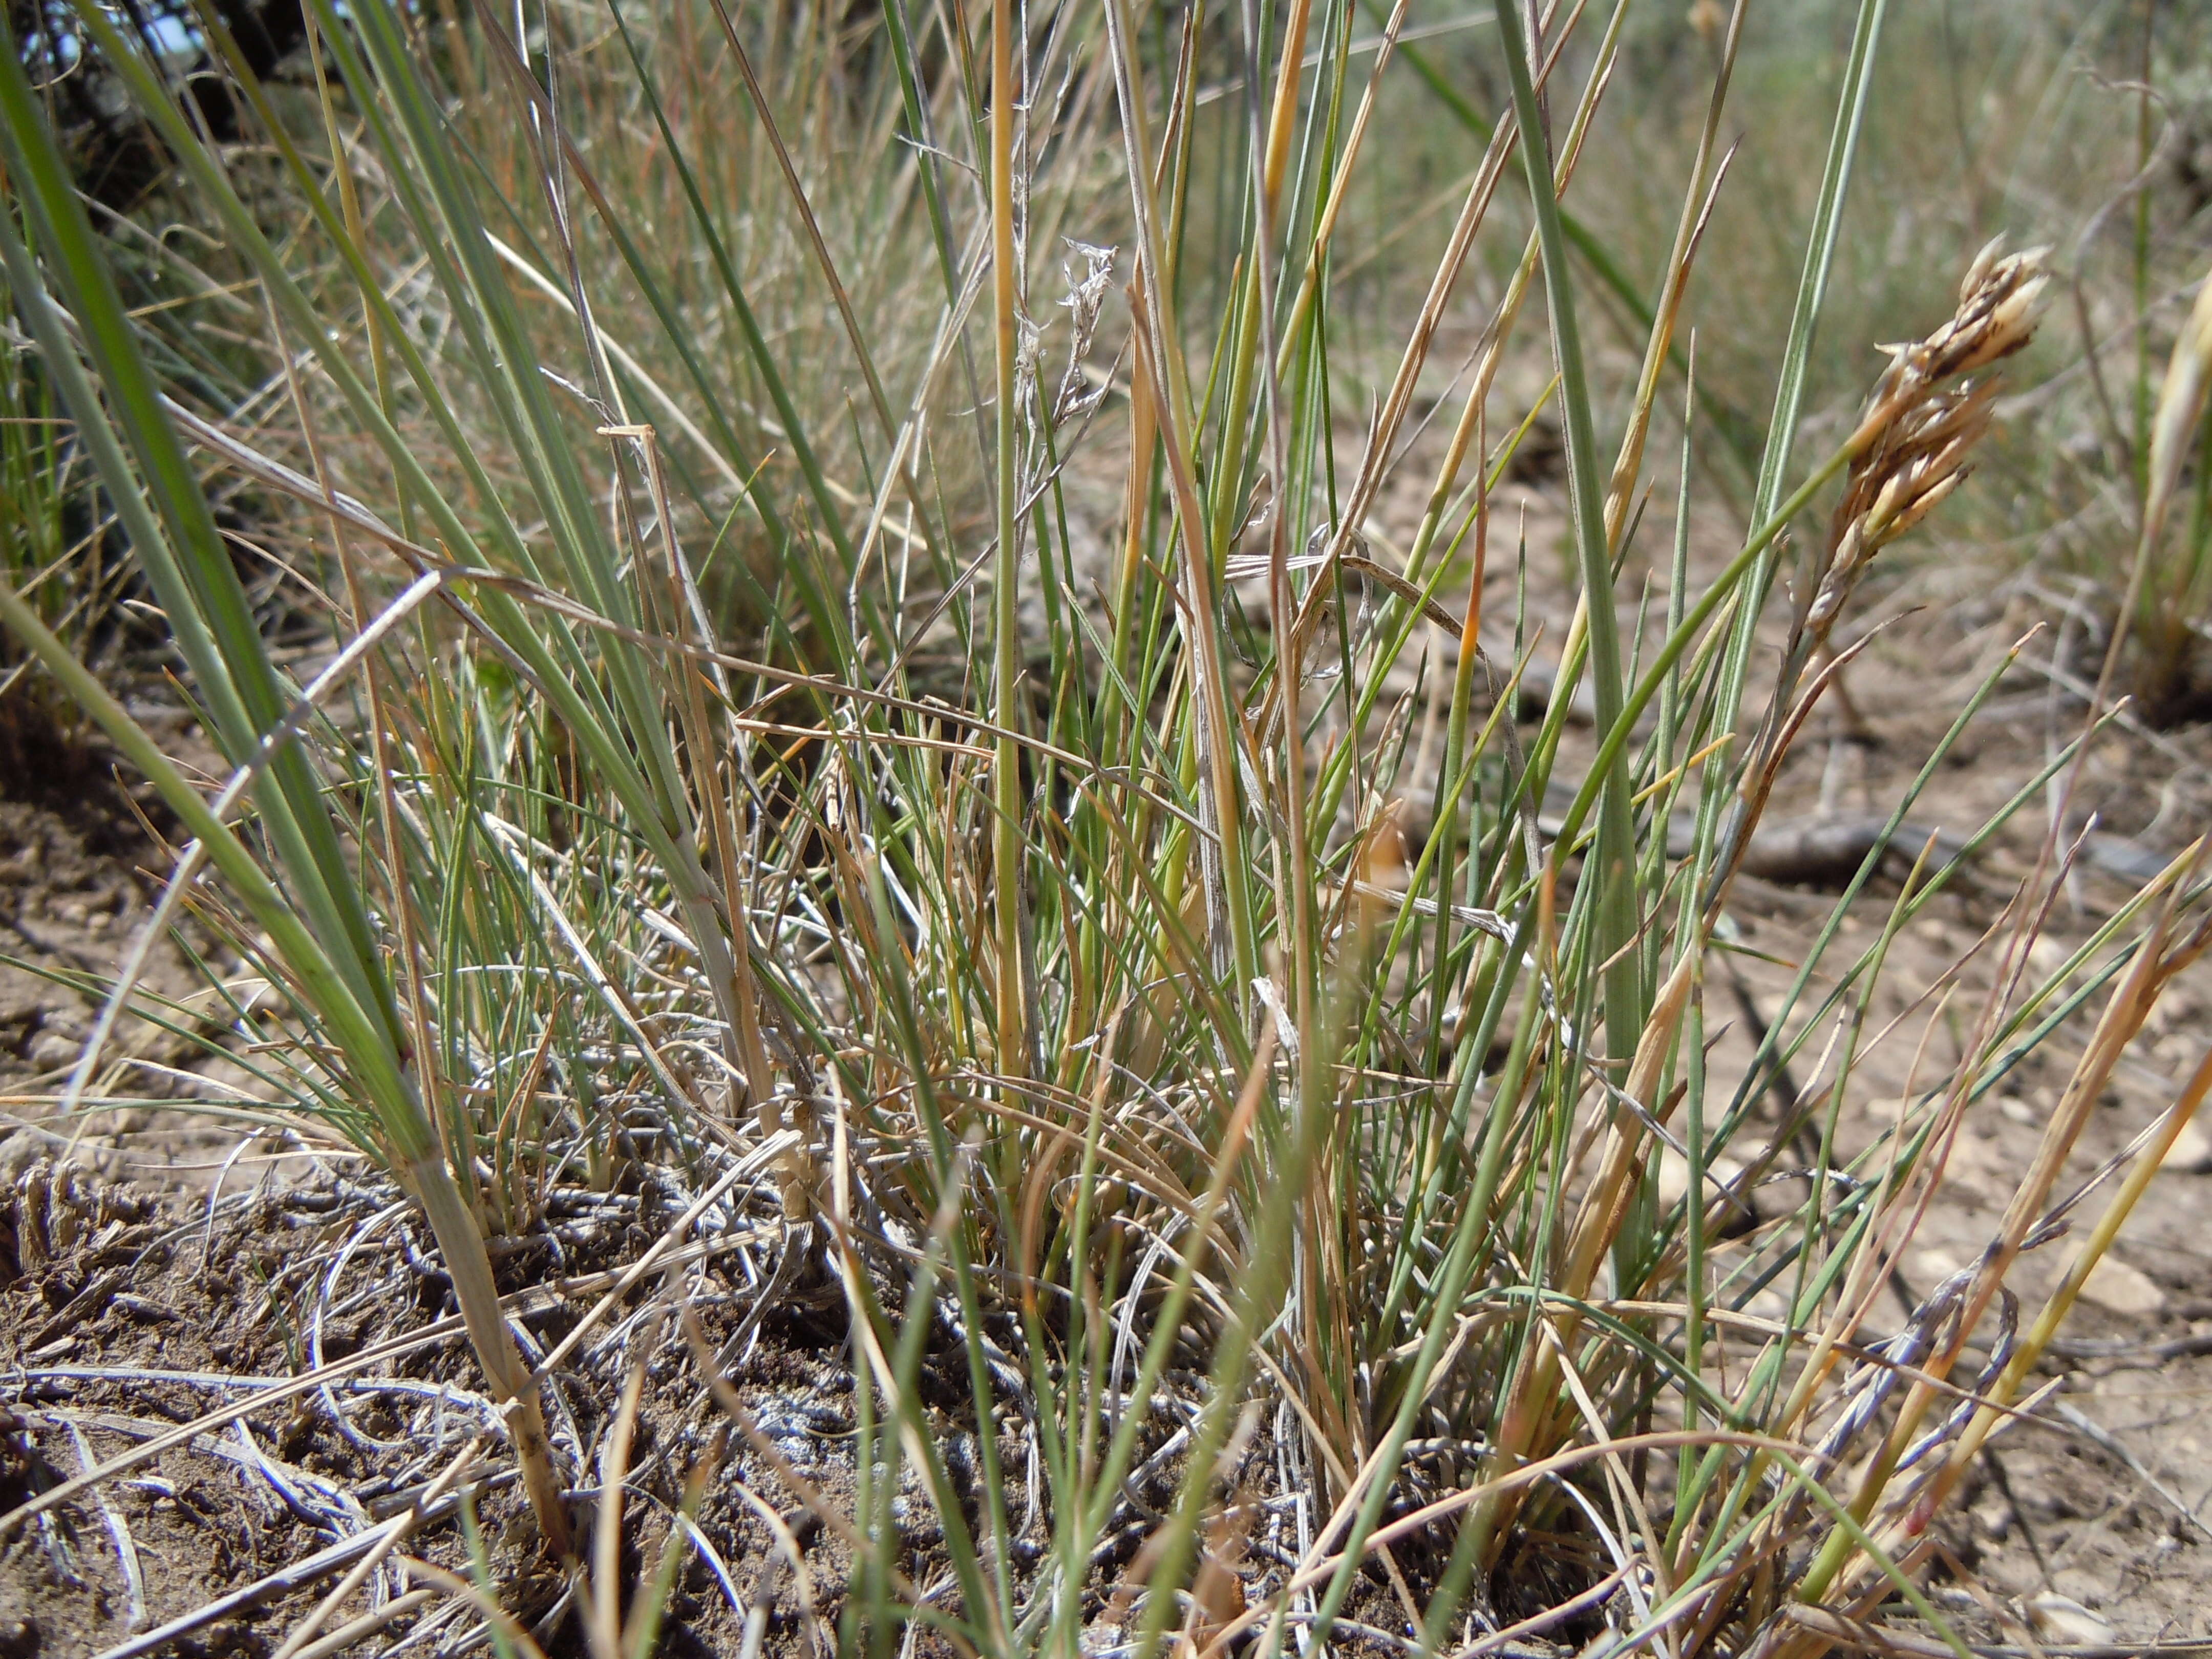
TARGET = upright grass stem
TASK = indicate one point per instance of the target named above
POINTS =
(1211, 738)
(1007, 841)
(1615, 872)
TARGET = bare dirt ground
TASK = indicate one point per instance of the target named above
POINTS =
(78, 854)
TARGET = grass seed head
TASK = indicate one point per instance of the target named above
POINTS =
(1924, 418)
(1994, 318)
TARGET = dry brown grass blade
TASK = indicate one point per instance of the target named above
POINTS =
(1705, 179)
(1863, 1638)
(853, 332)
(1382, 443)
(717, 800)
(603, 1616)
(355, 1632)
(1530, 1397)
(1333, 206)
(1209, 685)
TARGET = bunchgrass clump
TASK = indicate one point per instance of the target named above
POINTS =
(1132, 944)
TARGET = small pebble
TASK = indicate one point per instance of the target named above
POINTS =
(2190, 1153)
(2062, 1618)
(2121, 1287)
(51, 1051)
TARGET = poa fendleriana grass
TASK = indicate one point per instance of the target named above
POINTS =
(1055, 946)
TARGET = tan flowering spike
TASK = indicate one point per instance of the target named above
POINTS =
(1923, 420)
